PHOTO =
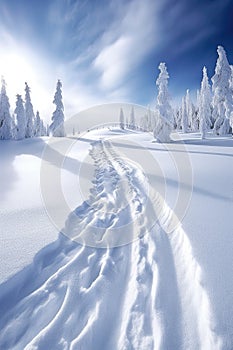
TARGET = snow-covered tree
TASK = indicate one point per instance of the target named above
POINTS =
(222, 99)
(42, 128)
(20, 118)
(13, 127)
(132, 119)
(47, 129)
(192, 116)
(184, 116)
(162, 128)
(122, 119)
(57, 127)
(165, 121)
(29, 113)
(188, 108)
(204, 101)
(231, 79)
(149, 126)
(177, 118)
(38, 129)
(126, 122)
(231, 87)
(5, 117)
(163, 98)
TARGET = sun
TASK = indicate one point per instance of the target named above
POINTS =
(16, 70)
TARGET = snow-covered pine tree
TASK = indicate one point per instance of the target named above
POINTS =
(190, 109)
(29, 113)
(231, 87)
(222, 99)
(43, 128)
(163, 98)
(13, 127)
(132, 119)
(184, 116)
(57, 127)
(204, 101)
(20, 118)
(198, 106)
(177, 118)
(165, 123)
(126, 122)
(5, 117)
(122, 119)
(37, 129)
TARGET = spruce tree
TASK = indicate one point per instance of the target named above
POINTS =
(184, 116)
(122, 119)
(5, 117)
(165, 121)
(163, 98)
(57, 126)
(132, 119)
(222, 99)
(37, 129)
(204, 102)
(20, 118)
(29, 113)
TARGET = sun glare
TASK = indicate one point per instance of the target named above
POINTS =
(17, 69)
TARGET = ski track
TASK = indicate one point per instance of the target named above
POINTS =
(144, 295)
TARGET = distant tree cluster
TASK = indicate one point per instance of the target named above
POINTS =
(213, 110)
(23, 123)
(125, 122)
(214, 104)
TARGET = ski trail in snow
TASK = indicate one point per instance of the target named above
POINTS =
(196, 319)
(114, 202)
(147, 294)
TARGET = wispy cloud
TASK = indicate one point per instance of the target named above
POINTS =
(108, 43)
(133, 36)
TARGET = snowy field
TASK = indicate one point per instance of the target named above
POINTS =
(167, 207)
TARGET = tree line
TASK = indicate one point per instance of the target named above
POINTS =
(213, 110)
(24, 123)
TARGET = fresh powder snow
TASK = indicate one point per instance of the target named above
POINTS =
(144, 260)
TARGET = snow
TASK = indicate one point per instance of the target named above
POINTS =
(24, 225)
(170, 289)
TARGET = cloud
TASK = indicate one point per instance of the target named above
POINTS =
(104, 46)
(89, 49)
(133, 36)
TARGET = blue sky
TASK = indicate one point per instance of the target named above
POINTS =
(108, 51)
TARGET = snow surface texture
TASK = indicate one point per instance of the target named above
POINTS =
(145, 295)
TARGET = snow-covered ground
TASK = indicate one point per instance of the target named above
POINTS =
(171, 288)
